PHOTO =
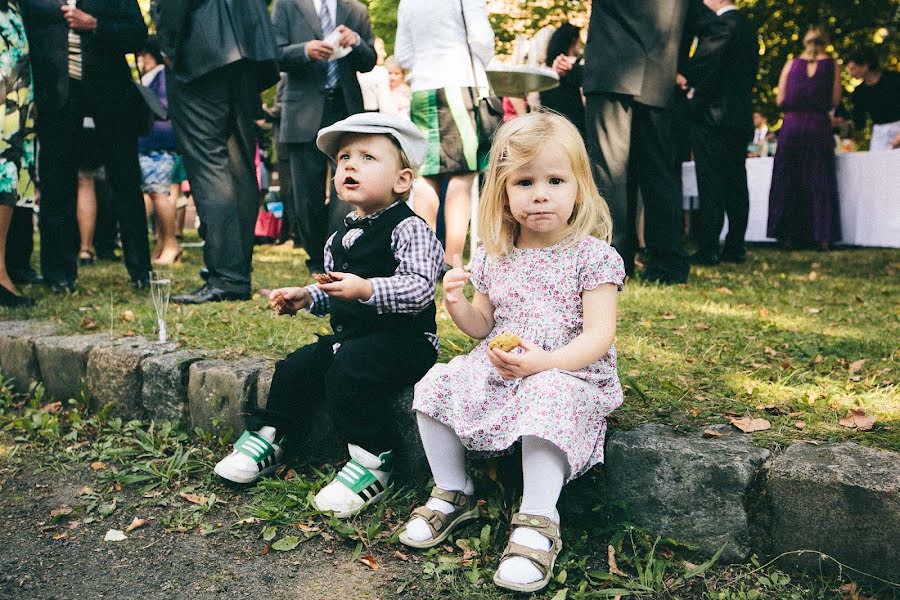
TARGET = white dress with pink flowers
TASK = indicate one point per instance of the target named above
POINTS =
(536, 294)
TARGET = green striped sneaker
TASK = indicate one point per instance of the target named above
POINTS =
(255, 454)
(363, 481)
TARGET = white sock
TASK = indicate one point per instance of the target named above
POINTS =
(447, 459)
(267, 432)
(544, 470)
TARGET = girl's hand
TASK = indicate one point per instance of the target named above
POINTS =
(348, 286)
(454, 281)
(515, 365)
(290, 300)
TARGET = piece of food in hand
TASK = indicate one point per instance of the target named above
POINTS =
(323, 278)
(505, 341)
(282, 306)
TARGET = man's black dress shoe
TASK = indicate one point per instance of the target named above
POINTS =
(733, 257)
(27, 277)
(209, 294)
(141, 283)
(204, 274)
(7, 298)
(62, 287)
(703, 258)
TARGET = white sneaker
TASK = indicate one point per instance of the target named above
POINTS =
(255, 454)
(363, 481)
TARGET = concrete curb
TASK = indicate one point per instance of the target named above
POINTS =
(838, 499)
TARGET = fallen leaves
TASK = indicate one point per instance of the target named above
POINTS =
(749, 425)
(400, 556)
(194, 498)
(128, 315)
(88, 322)
(856, 366)
(708, 433)
(724, 290)
(613, 565)
(97, 465)
(857, 419)
(369, 561)
(60, 512)
(135, 524)
(800, 424)
(286, 543)
(115, 535)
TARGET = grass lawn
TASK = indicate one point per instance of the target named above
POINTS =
(797, 338)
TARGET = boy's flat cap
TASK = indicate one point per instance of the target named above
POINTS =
(409, 137)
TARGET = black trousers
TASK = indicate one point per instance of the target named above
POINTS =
(213, 116)
(20, 241)
(626, 141)
(720, 154)
(309, 174)
(355, 384)
(59, 131)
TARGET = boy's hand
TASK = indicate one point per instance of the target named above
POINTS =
(514, 365)
(348, 286)
(454, 281)
(290, 300)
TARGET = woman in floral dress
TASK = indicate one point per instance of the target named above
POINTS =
(17, 139)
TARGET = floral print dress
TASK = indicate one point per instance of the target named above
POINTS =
(17, 135)
(536, 294)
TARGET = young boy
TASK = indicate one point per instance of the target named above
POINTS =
(381, 268)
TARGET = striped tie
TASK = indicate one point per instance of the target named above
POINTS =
(331, 72)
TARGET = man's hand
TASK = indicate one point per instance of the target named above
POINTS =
(77, 19)
(290, 300)
(562, 64)
(514, 365)
(349, 38)
(454, 281)
(348, 286)
(681, 81)
(318, 50)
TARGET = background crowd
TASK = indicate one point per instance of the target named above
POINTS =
(652, 86)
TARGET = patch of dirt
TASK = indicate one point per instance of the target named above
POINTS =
(153, 563)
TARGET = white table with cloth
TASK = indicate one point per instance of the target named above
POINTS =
(868, 191)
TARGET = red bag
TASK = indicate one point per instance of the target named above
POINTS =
(267, 225)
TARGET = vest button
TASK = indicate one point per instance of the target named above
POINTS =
(345, 266)
(339, 328)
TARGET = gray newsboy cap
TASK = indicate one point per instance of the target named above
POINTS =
(409, 137)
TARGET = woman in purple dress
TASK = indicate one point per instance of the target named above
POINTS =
(803, 201)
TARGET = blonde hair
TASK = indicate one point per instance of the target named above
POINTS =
(519, 142)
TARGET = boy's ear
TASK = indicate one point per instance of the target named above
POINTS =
(404, 181)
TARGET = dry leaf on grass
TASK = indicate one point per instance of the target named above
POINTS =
(306, 528)
(89, 323)
(812, 276)
(763, 312)
(800, 424)
(711, 433)
(128, 315)
(613, 565)
(748, 425)
(856, 366)
(400, 556)
(60, 536)
(369, 561)
(819, 358)
(60, 512)
(97, 465)
(53, 407)
(136, 523)
(857, 419)
(702, 326)
(115, 535)
(770, 351)
(194, 498)
(723, 290)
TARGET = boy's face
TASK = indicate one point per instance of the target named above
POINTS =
(368, 173)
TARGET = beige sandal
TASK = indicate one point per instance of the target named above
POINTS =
(542, 559)
(439, 523)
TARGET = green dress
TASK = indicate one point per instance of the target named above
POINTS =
(17, 135)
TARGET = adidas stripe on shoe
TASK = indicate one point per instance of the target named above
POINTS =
(255, 454)
(363, 481)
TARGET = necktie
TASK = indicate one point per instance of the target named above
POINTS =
(331, 73)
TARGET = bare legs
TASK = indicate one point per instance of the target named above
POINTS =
(457, 208)
(86, 212)
(167, 248)
(5, 219)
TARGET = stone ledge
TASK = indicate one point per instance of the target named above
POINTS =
(17, 355)
(63, 362)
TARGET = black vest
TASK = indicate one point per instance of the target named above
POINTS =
(371, 256)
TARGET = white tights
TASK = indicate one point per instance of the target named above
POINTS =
(544, 470)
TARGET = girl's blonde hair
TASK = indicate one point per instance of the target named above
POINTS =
(519, 142)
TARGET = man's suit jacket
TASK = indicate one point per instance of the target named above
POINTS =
(722, 72)
(633, 47)
(201, 36)
(296, 22)
(108, 87)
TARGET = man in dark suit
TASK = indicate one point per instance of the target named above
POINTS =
(718, 80)
(631, 60)
(78, 61)
(222, 56)
(318, 93)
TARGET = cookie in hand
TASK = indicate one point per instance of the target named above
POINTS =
(505, 341)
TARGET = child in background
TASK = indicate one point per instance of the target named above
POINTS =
(381, 268)
(399, 89)
(546, 281)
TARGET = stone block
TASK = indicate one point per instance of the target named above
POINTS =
(114, 376)
(63, 362)
(686, 487)
(263, 384)
(164, 390)
(839, 499)
(18, 359)
(220, 392)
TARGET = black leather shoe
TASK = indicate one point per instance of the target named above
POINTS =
(734, 257)
(651, 276)
(141, 283)
(209, 294)
(28, 277)
(62, 287)
(704, 258)
(204, 274)
(7, 298)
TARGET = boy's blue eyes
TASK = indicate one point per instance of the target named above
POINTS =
(365, 156)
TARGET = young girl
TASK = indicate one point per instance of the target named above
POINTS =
(547, 275)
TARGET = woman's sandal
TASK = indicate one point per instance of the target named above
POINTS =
(440, 523)
(542, 559)
(86, 257)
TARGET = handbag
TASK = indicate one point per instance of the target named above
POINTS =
(268, 226)
(488, 109)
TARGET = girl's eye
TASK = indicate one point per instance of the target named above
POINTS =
(524, 182)
(555, 181)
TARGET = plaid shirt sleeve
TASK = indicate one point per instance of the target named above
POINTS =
(321, 305)
(411, 287)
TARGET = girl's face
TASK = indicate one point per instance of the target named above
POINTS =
(542, 197)
(395, 76)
